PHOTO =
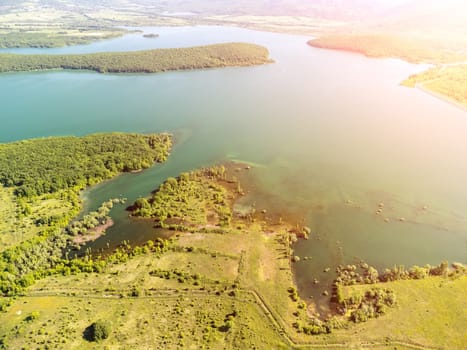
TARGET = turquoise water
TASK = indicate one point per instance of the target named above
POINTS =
(334, 134)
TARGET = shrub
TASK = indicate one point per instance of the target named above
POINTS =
(32, 316)
(98, 331)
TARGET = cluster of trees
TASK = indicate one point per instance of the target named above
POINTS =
(149, 61)
(293, 293)
(180, 276)
(88, 264)
(63, 165)
(184, 203)
(365, 274)
(356, 274)
(373, 304)
(314, 327)
(48, 165)
(18, 264)
(415, 272)
(40, 256)
(93, 219)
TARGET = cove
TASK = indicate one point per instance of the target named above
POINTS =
(332, 133)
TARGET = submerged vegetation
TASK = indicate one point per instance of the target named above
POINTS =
(150, 61)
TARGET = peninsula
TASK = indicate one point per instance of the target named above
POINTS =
(448, 82)
(148, 61)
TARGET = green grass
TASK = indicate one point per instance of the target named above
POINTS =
(431, 311)
(170, 322)
(176, 314)
(263, 268)
(170, 313)
(135, 272)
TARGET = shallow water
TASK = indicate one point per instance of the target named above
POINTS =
(334, 135)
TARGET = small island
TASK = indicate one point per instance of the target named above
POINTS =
(151, 35)
(148, 61)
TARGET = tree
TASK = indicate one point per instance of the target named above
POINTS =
(372, 275)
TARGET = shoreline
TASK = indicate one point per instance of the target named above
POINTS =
(441, 97)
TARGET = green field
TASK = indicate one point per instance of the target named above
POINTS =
(240, 274)
(431, 312)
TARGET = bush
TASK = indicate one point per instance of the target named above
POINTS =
(98, 331)
(32, 316)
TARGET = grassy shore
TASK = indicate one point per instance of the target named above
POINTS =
(230, 288)
(150, 61)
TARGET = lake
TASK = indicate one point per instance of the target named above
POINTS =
(333, 136)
